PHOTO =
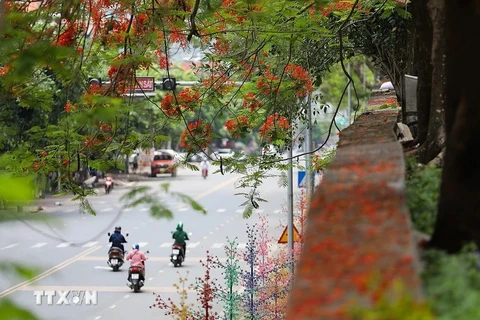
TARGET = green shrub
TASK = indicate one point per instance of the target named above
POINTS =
(423, 189)
(452, 284)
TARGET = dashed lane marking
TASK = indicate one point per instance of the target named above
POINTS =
(39, 245)
(64, 245)
(221, 210)
(217, 245)
(10, 246)
(106, 209)
(193, 244)
(90, 244)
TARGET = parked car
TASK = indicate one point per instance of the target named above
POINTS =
(163, 163)
(224, 153)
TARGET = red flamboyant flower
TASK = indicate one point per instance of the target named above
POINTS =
(238, 127)
(196, 136)
(302, 82)
(69, 107)
(251, 102)
(275, 127)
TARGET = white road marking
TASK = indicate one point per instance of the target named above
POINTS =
(126, 296)
(242, 245)
(10, 246)
(112, 306)
(64, 245)
(239, 211)
(165, 245)
(277, 211)
(221, 210)
(205, 237)
(39, 245)
(217, 245)
(106, 209)
(102, 267)
(258, 210)
(142, 244)
(127, 209)
(182, 209)
(144, 209)
(221, 225)
(216, 229)
(150, 279)
(160, 271)
(97, 317)
(90, 244)
(211, 232)
(193, 244)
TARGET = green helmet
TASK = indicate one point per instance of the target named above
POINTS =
(180, 225)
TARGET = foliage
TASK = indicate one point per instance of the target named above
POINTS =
(423, 189)
(452, 283)
(400, 306)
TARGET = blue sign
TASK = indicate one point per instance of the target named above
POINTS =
(302, 182)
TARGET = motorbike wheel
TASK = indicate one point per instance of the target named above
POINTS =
(136, 287)
(115, 268)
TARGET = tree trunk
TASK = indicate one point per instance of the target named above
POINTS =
(423, 66)
(458, 219)
(435, 139)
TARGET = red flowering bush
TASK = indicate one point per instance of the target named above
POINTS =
(238, 127)
(275, 128)
(196, 136)
(268, 82)
(251, 102)
(301, 81)
(219, 84)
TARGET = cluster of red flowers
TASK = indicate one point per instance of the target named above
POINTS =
(69, 107)
(337, 6)
(4, 70)
(219, 84)
(103, 126)
(266, 82)
(276, 127)
(238, 127)
(221, 46)
(67, 38)
(178, 37)
(303, 82)
(162, 59)
(187, 100)
(251, 102)
(196, 136)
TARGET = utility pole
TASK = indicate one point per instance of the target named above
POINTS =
(309, 175)
(290, 206)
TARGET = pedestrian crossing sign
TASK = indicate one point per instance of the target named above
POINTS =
(284, 236)
(301, 179)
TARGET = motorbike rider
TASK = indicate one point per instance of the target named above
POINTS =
(180, 236)
(204, 164)
(117, 239)
(137, 259)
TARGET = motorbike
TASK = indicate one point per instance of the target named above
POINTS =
(204, 173)
(136, 277)
(115, 257)
(177, 257)
(108, 186)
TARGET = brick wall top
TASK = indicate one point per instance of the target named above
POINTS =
(358, 229)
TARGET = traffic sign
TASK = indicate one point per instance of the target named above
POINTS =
(284, 236)
(301, 179)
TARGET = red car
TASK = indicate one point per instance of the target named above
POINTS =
(162, 163)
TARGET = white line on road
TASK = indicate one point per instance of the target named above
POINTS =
(211, 232)
(221, 210)
(64, 245)
(160, 271)
(48, 272)
(90, 244)
(182, 209)
(277, 211)
(193, 244)
(126, 296)
(221, 225)
(150, 279)
(106, 209)
(239, 211)
(39, 245)
(165, 245)
(216, 229)
(10, 246)
(97, 317)
(205, 237)
(144, 209)
(217, 245)
(127, 209)
(112, 306)
(101, 267)
(258, 210)
(142, 244)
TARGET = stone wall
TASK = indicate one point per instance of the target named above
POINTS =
(359, 240)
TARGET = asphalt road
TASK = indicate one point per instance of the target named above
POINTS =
(70, 250)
